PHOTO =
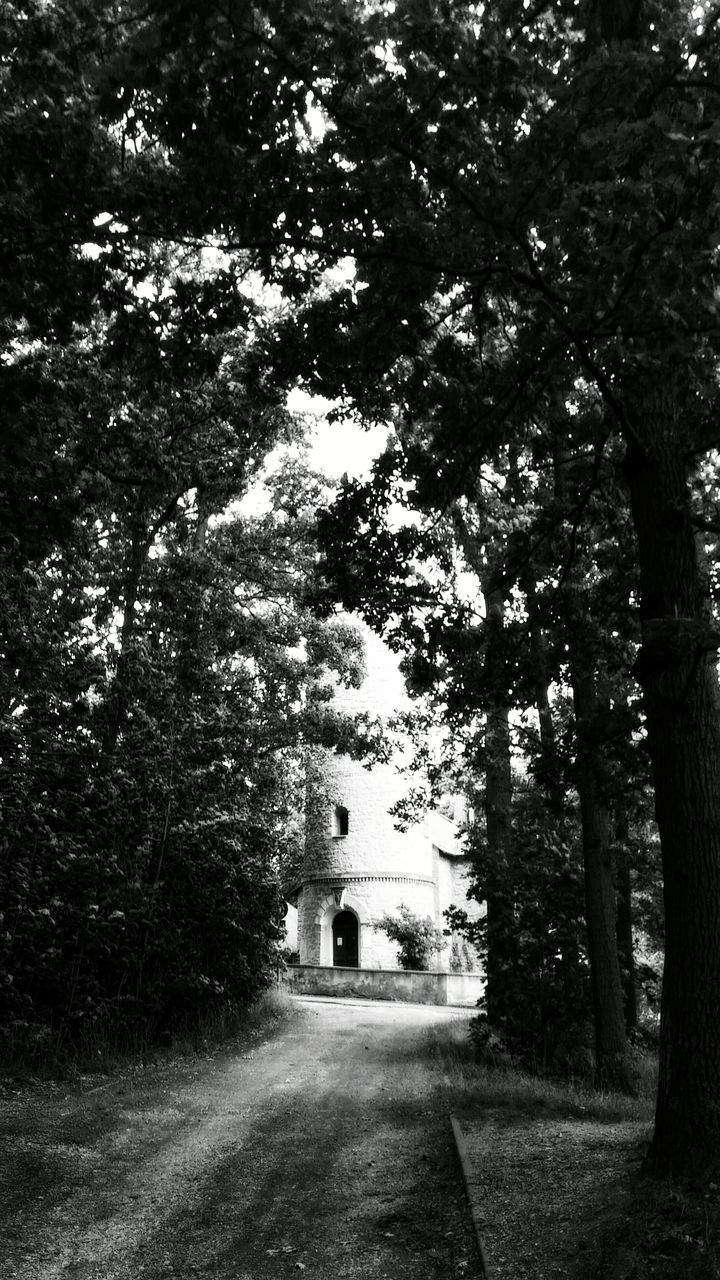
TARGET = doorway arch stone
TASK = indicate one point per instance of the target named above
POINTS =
(331, 906)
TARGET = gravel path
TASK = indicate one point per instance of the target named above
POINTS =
(324, 1150)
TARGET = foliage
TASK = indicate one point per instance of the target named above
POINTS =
(529, 199)
(464, 957)
(141, 870)
(544, 1016)
(153, 690)
(538, 276)
(156, 642)
(419, 940)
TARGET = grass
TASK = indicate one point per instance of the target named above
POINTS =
(667, 1231)
(105, 1054)
(661, 1229)
(482, 1088)
(227, 1025)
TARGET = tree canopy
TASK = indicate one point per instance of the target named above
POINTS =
(157, 637)
(519, 203)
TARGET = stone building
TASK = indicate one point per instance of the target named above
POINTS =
(358, 866)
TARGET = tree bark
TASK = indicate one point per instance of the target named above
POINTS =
(612, 1060)
(612, 1064)
(498, 798)
(625, 945)
(548, 773)
(677, 671)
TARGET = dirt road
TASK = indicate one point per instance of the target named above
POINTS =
(323, 1151)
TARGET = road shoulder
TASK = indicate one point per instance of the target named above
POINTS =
(544, 1192)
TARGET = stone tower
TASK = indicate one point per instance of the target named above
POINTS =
(358, 866)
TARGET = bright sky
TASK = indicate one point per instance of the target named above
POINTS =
(337, 447)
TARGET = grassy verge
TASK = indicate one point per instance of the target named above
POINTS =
(225, 1029)
(507, 1089)
(625, 1223)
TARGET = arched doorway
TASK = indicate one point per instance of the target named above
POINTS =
(345, 940)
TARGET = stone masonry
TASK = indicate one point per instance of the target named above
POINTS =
(356, 860)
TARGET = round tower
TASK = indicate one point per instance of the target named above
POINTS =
(357, 865)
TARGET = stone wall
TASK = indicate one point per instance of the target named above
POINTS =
(379, 866)
(370, 898)
(372, 844)
(464, 989)
(356, 859)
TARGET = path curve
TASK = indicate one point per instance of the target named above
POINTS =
(325, 1150)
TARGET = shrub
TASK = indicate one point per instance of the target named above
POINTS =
(418, 939)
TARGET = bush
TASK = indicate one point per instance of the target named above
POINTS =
(418, 939)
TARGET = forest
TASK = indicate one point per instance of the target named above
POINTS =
(493, 231)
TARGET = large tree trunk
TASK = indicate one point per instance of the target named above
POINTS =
(612, 1063)
(498, 798)
(677, 671)
(612, 1059)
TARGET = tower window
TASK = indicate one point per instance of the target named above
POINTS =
(341, 821)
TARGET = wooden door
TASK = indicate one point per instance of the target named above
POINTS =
(345, 940)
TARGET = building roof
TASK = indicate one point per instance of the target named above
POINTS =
(443, 834)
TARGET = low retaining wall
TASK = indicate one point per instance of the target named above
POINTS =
(385, 984)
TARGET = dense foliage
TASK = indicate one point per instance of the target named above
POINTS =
(530, 197)
(156, 637)
(494, 227)
(151, 764)
(419, 941)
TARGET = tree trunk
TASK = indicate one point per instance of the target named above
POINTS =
(612, 1064)
(612, 1061)
(548, 772)
(625, 946)
(677, 671)
(498, 798)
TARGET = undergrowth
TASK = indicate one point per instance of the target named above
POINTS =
(661, 1229)
(508, 1088)
(666, 1231)
(104, 1054)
